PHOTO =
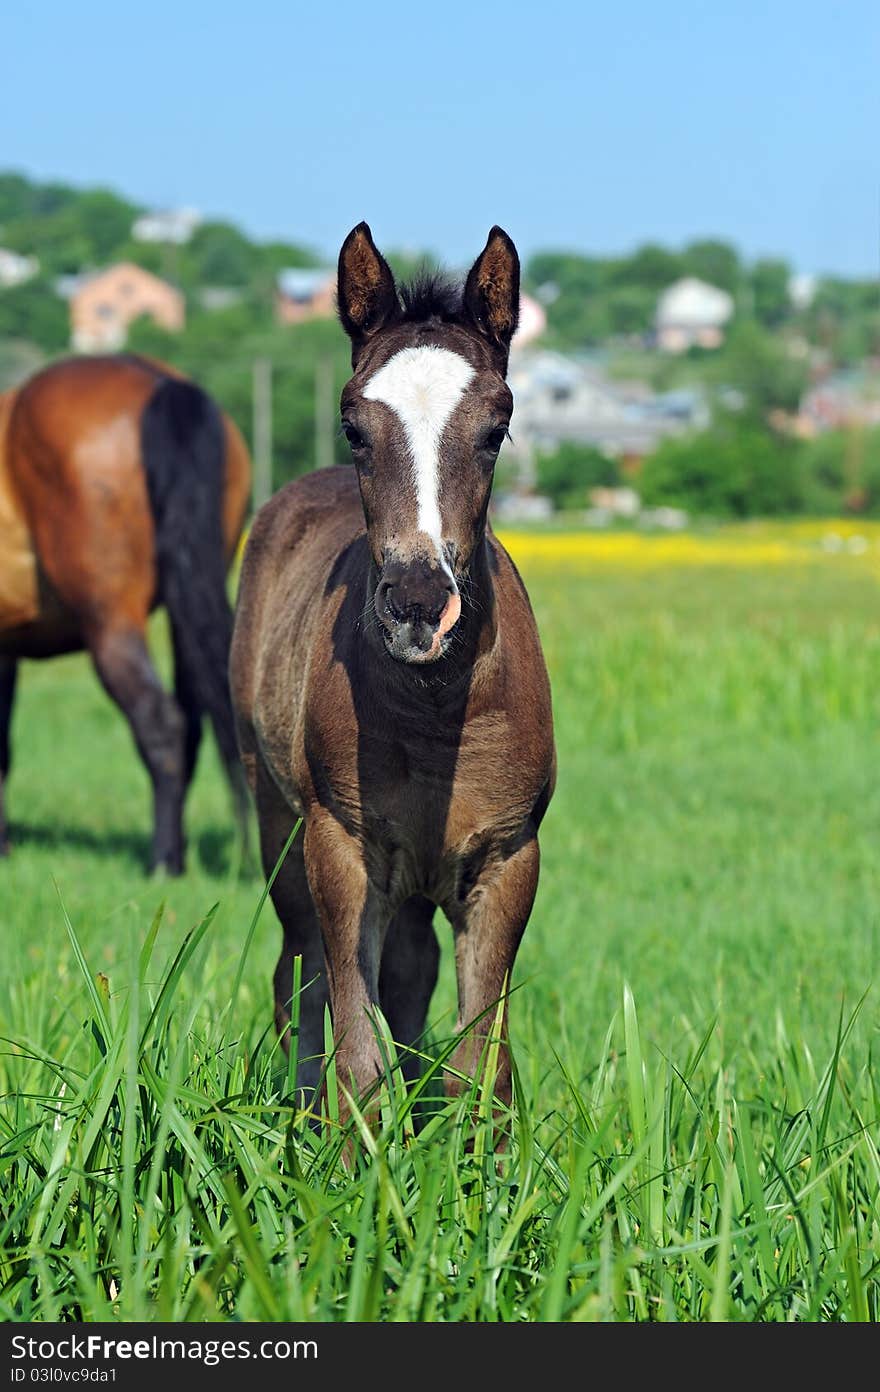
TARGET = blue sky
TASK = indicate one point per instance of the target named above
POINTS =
(588, 126)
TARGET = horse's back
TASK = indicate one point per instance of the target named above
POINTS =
(75, 461)
(79, 402)
(19, 599)
(80, 418)
(75, 457)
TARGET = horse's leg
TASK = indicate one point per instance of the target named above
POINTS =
(123, 664)
(302, 935)
(8, 671)
(408, 975)
(488, 928)
(191, 711)
(353, 919)
(193, 716)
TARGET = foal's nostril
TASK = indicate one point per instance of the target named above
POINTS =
(383, 597)
(404, 608)
(410, 602)
(392, 600)
(398, 606)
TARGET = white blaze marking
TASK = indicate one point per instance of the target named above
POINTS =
(423, 386)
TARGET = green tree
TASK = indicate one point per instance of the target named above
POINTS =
(736, 469)
(630, 309)
(15, 197)
(58, 240)
(21, 198)
(278, 256)
(844, 318)
(715, 262)
(762, 369)
(67, 230)
(770, 298)
(569, 272)
(841, 471)
(154, 257)
(567, 474)
(572, 288)
(33, 313)
(219, 254)
(104, 221)
(650, 266)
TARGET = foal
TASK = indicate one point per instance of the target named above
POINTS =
(389, 684)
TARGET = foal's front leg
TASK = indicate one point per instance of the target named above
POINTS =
(353, 919)
(488, 927)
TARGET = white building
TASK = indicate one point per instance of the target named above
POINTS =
(167, 225)
(560, 398)
(802, 290)
(691, 314)
(15, 269)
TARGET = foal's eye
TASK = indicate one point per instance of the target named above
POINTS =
(354, 437)
(495, 439)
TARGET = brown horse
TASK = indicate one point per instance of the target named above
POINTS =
(122, 486)
(388, 680)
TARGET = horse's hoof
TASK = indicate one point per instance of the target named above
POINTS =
(166, 870)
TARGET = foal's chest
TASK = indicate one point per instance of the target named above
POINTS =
(422, 786)
(430, 797)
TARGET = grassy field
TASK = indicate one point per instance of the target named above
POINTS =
(695, 1131)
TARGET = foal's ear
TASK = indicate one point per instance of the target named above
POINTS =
(366, 293)
(491, 292)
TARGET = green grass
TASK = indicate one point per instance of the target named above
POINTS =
(695, 1126)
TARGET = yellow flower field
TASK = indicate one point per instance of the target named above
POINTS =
(751, 545)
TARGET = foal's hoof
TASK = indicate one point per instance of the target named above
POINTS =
(167, 862)
(166, 870)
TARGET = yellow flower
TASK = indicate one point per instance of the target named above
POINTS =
(752, 545)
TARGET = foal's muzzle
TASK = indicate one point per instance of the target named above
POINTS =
(417, 604)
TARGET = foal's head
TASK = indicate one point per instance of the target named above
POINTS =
(425, 414)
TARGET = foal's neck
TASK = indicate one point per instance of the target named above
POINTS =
(478, 618)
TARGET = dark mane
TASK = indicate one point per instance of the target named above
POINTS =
(431, 295)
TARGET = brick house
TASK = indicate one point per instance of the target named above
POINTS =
(105, 304)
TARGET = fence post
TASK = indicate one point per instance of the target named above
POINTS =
(325, 412)
(262, 403)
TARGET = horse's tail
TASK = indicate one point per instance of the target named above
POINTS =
(183, 446)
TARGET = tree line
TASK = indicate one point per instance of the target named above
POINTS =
(590, 301)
